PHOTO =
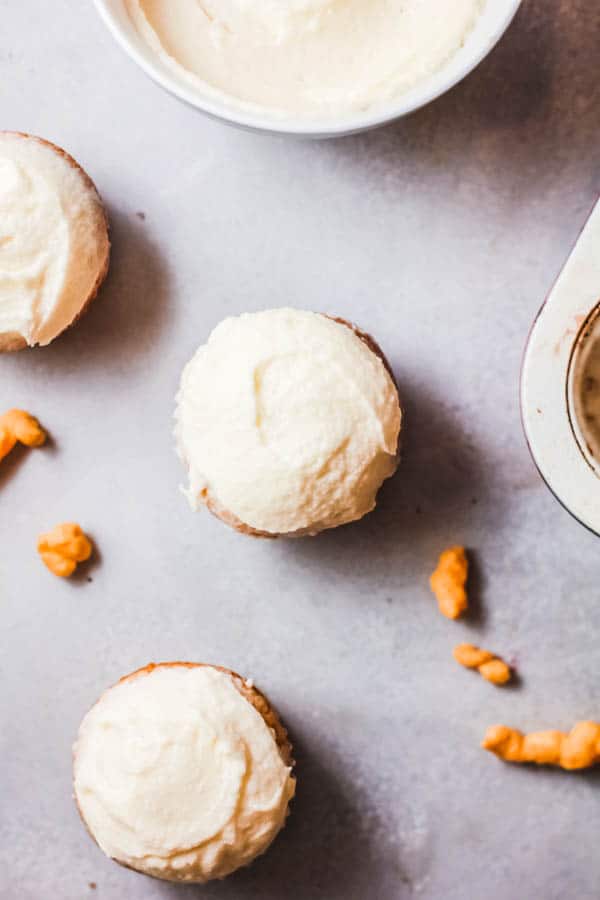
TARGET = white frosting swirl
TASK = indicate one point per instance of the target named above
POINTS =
(177, 775)
(308, 57)
(53, 239)
(288, 421)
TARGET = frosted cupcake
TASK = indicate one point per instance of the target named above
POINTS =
(183, 772)
(54, 246)
(288, 422)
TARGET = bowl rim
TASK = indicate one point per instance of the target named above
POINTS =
(418, 97)
(546, 391)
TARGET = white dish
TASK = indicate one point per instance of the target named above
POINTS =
(558, 346)
(493, 22)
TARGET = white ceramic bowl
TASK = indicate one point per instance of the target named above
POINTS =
(493, 22)
(551, 386)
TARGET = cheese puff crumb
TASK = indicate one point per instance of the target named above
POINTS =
(63, 548)
(448, 582)
(579, 749)
(489, 666)
(18, 425)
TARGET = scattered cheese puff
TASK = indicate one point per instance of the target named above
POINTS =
(449, 580)
(7, 441)
(487, 664)
(63, 547)
(17, 425)
(578, 749)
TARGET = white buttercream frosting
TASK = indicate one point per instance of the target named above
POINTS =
(53, 239)
(288, 421)
(178, 775)
(313, 57)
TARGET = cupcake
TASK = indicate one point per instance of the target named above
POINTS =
(288, 422)
(183, 772)
(54, 245)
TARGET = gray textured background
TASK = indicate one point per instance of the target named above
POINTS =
(440, 234)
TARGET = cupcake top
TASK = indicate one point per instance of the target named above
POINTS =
(288, 420)
(178, 775)
(53, 239)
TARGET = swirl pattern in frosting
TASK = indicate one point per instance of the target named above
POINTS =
(53, 239)
(288, 421)
(178, 775)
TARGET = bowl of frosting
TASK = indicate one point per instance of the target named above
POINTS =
(314, 68)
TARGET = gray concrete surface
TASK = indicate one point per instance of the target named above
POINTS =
(440, 234)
